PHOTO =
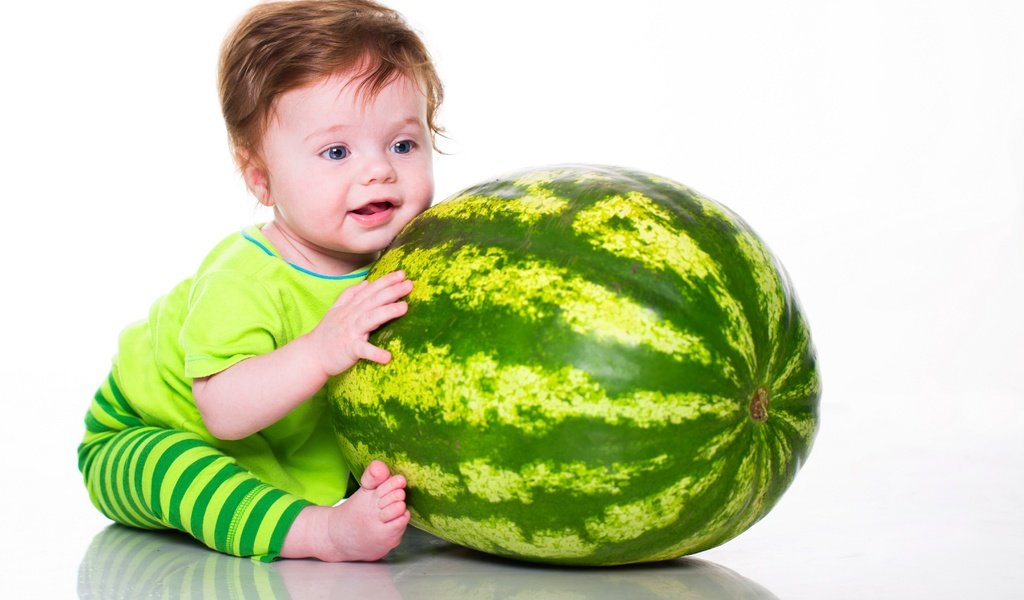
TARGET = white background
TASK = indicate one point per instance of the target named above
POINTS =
(878, 148)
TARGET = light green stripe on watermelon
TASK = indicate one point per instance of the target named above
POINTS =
(535, 204)
(796, 357)
(619, 523)
(708, 207)
(799, 391)
(624, 522)
(771, 297)
(503, 536)
(741, 498)
(529, 397)
(478, 280)
(779, 443)
(431, 479)
(803, 424)
(652, 241)
(585, 178)
(495, 484)
(721, 441)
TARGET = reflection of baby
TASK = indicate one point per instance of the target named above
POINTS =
(213, 420)
(125, 563)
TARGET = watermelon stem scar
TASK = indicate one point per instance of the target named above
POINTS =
(759, 405)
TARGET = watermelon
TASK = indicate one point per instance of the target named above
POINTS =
(598, 366)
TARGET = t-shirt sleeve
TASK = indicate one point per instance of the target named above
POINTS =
(229, 318)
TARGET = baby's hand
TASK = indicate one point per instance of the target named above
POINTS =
(340, 339)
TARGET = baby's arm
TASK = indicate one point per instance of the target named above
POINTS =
(261, 390)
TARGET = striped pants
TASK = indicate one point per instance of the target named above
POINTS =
(156, 478)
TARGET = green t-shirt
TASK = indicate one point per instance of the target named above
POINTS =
(245, 300)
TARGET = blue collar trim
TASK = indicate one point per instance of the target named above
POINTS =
(263, 247)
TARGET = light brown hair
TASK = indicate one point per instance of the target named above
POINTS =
(281, 46)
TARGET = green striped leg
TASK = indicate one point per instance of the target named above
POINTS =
(156, 478)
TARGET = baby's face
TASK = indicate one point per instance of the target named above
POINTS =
(346, 172)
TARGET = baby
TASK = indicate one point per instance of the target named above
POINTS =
(214, 419)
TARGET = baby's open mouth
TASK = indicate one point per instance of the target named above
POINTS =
(373, 208)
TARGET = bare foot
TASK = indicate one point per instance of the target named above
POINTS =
(364, 528)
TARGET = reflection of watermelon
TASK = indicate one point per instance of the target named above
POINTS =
(426, 567)
(598, 366)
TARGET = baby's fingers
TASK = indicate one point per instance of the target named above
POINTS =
(387, 281)
(382, 314)
(378, 355)
(385, 290)
(392, 292)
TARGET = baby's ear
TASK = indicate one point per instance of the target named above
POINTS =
(255, 176)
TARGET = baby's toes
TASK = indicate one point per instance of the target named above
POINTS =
(395, 482)
(375, 475)
(391, 498)
(393, 512)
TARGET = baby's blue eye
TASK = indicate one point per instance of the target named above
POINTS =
(335, 153)
(403, 147)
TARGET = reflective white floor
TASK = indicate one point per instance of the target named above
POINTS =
(129, 564)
